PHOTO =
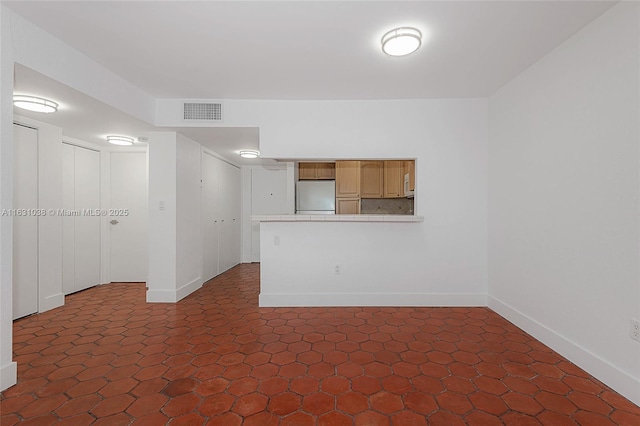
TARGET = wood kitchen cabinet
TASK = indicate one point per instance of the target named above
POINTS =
(325, 171)
(410, 169)
(347, 179)
(347, 205)
(393, 179)
(316, 171)
(371, 179)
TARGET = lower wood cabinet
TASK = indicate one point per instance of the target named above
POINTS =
(347, 205)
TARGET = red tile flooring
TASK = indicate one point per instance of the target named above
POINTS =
(109, 358)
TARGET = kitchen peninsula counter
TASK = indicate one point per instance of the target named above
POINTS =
(387, 218)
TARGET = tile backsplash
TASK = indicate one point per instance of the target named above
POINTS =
(386, 206)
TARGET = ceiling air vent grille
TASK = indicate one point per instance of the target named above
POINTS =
(203, 111)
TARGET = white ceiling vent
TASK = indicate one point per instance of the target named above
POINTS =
(202, 111)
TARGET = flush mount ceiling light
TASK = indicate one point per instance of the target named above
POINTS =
(401, 41)
(34, 103)
(120, 140)
(245, 153)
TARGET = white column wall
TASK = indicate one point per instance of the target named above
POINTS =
(162, 223)
(188, 217)
(8, 368)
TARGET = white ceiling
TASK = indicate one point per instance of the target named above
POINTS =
(291, 50)
(87, 119)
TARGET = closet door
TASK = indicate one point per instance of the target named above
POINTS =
(25, 227)
(210, 216)
(87, 226)
(80, 231)
(235, 200)
(230, 227)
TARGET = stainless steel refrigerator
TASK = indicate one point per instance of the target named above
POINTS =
(316, 197)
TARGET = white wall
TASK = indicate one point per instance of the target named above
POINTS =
(188, 216)
(564, 217)
(442, 260)
(8, 368)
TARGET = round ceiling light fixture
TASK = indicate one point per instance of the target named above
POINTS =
(401, 41)
(247, 153)
(34, 103)
(120, 140)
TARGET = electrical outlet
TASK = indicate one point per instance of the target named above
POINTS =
(635, 329)
(276, 240)
(338, 269)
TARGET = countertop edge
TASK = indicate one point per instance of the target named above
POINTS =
(338, 218)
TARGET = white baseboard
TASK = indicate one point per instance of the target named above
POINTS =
(161, 296)
(607, 373)
(172, 296)
(51, 302)
(371, 299)
(8, 375)
(187, 289)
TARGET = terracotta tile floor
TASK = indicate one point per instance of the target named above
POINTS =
(109, 358)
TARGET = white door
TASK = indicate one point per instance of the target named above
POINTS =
(268, 196)
(25, 227)
(87, 225)
(80, 231)
(229, 240)
(129, 223)
(210, 215)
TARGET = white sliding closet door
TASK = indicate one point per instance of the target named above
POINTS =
(25, 227)
(81, 233)
(230, 228)
(220, 216)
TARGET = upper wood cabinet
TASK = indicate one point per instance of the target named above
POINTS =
(347, 179)
(306, 171)
(371, 179)
(410, 169)
(316, 171)
(326, 171)
(393, 179)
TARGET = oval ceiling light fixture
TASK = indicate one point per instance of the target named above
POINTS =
(120, 140)
(247, 153)
(34, 103)
(401, 41)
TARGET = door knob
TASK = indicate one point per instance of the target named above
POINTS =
(114, 222)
